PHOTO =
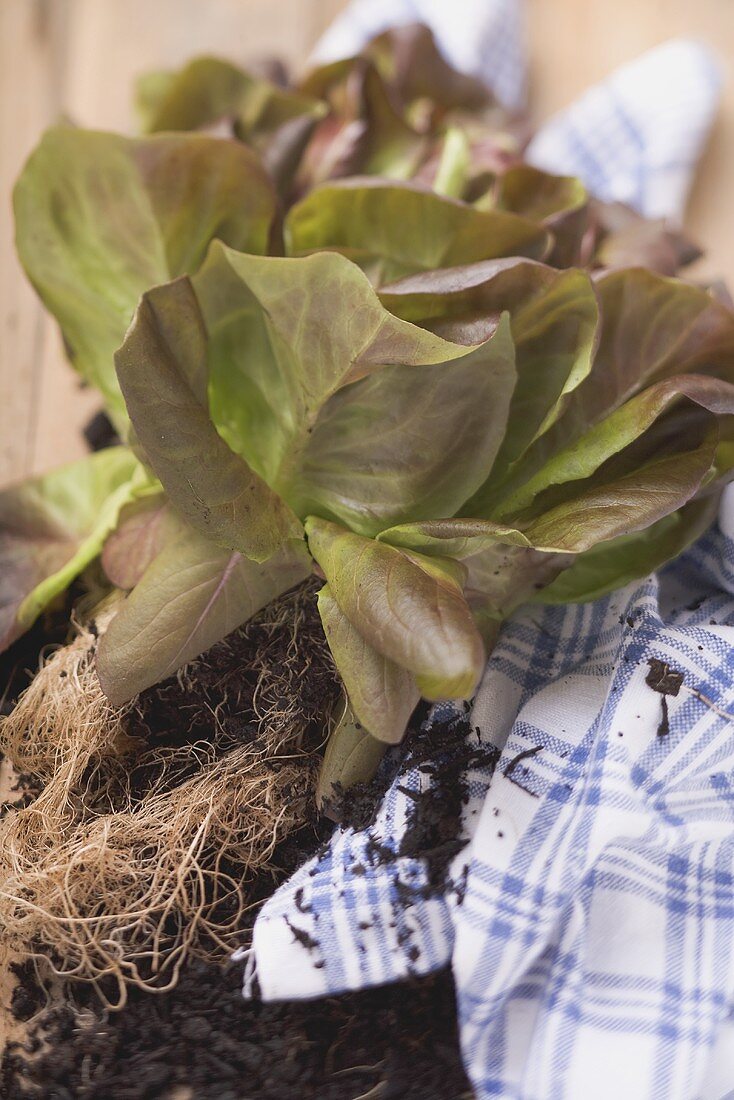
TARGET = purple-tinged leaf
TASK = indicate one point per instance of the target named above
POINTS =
(382, 695)
(408, 607)
(52, 527)
(163, 375)
(192, 595)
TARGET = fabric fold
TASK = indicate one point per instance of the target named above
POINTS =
(637, 136)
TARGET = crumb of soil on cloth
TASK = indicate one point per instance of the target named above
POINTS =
(356, 807)
(666, 681)
(434, 773)
(442, 754)
(663, 678)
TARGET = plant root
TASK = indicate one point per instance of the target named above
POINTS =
(139, 848)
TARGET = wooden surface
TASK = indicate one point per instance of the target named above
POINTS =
(79, 57)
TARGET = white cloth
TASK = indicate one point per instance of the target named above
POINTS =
(589, 920)
(637, 137)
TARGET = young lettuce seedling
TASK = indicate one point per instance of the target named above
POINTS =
(438, 484)
(417, 382)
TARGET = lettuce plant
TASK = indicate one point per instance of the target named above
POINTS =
(441, 471)
(419, 383)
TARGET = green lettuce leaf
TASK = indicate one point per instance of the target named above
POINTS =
(418, 75)
(554, 320)
(503, 569)
(364, 133)
(409, 443)
(102, 218)
(452, 538)
(626, 239)
(561, 203)
(626, 504)
(613, 564)
(52, 527)
(389, 109)
(209, 89)
(328, 406)
(539, 195)
(610, 502)
(382, 695)
(666, 402)
(162, 367)
(501, 578)
(279, 349)
(352, 756)
(454, 164)
(652, 328)
(276, 122)
(191, 596)
(407, 607)
(143, 528)
(393, 229)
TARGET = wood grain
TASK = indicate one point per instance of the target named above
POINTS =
(575, 43)
(80, 57)
(32, 53)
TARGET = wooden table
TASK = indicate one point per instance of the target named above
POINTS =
(79, 57)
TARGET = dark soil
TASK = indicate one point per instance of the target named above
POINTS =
(99, 432)
(19, 663)
(212, 700)
(180, 710)
(666, 681)
(398, 1041)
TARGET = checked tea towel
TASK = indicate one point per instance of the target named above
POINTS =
(589, 920)
(588, 910)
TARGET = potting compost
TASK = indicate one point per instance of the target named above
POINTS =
(367, 692)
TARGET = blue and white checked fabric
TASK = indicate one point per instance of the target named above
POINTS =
(594, 947)
(589, 919)
(637, 137)
(588, 909)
